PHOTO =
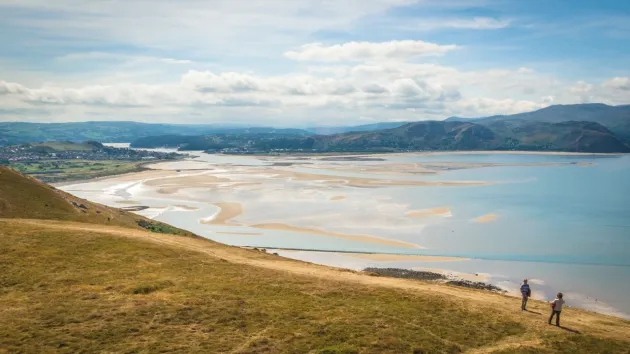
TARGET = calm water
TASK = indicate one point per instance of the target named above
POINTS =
(566, 214)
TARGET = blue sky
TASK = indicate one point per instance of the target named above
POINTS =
(294, 63)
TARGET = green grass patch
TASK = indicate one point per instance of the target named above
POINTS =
(150, 288)
(67, 170)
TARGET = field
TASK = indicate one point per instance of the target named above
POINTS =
(66, 170)
(64, 146)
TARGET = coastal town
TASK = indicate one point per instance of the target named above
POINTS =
(54, 162)
(93, 151)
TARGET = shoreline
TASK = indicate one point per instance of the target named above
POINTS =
(143, 167)
(446, 152)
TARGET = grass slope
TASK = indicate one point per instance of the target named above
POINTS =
(22, 196)
(71, 289)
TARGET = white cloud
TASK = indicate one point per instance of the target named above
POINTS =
(618, 83)
(582, 91)
(11, 88)
(363, 51)
(126, 58)
(547, 100)
(328, 95)
(480, 106)
(476, 23)
(236, 27)
(225, 82)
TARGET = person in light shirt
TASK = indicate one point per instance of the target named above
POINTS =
(556, 308)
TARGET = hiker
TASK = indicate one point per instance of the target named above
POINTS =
(556, 308)
(526, 292)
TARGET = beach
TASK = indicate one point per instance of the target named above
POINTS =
(446, 213)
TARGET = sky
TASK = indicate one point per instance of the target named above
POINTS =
(307, 62)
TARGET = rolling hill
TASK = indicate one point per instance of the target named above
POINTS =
(453, 135)
(25, 197)
(13, 133)
(615, 118)
(330, 130)
(74, 281)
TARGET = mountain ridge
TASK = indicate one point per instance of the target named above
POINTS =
(571, 136)
(615, 118)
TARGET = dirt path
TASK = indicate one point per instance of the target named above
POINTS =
(578, 320)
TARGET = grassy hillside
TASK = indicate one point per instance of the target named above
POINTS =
(70, 287)
(25, 197)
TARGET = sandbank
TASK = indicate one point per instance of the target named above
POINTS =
(187, 208)
(384, 257)
(486, 218)
(439, 211)
(229, 210)
(338, 197)
(237, 233)
(312, 231)
(359, 182)
(128, 202)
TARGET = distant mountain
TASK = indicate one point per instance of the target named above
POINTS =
(498, 135)
(256, 137)
(356, 128)
(419, 136)
(19, 133)
(615, 118)
(426, 135)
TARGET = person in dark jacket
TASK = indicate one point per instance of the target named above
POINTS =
(526, 292)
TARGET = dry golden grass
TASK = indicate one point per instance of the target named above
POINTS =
(72, 287)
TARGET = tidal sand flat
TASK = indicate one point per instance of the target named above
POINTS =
(487, 218)
(227, 212)
(384, 257)
(440, 211)
(361, 238)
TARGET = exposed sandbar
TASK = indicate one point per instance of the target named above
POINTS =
(238, 233)
(439, 211)
(487, 218)
(383, 257)
(360, 238)
(187, 208)
(229, 210)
